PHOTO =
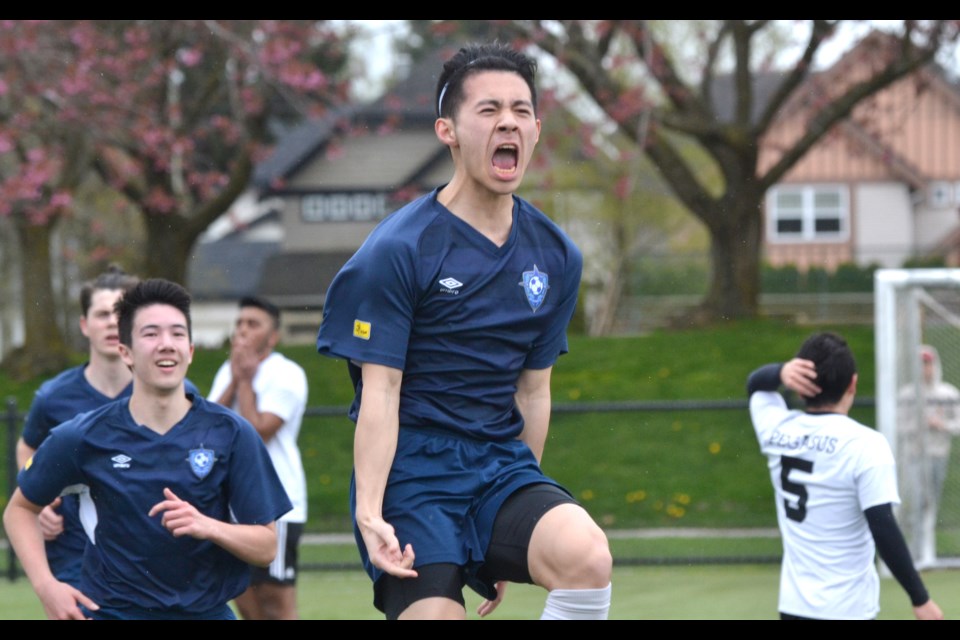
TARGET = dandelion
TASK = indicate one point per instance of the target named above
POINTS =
(325, 479)
(714, 448)
(586, 494)
(636, 496)
(682, 498)
(677, 425)
(574, 394)
(675, 512)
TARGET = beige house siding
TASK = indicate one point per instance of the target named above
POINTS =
(896, 150)
(360, 172)
(881, 234)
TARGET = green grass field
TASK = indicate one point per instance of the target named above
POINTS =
(713, 592)
(670, 468)
(662, 468)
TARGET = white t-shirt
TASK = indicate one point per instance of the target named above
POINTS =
(826, 470)
(281, 388)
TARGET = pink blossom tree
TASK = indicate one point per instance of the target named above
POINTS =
(173, 114)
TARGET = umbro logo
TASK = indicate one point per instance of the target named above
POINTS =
(450, 285)
(121, 461)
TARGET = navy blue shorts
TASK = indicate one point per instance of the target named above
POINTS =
(443, 494)
(506, 557)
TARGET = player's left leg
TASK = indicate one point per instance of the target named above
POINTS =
(542, 536)
(570, 557)
(272, 594)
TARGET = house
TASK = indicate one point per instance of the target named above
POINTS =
(881, 187)
(327, 184)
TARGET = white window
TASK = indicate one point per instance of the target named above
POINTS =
(815, 213)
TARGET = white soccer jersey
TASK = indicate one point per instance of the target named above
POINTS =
(281, 388)
(826, 470)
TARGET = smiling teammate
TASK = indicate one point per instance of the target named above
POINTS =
(452, 315)
(184, 492)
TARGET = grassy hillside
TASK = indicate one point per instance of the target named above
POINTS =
(676, 467)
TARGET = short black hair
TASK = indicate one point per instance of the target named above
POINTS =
(114, 278)
(492, 56)
(261, 303)
(835, 366)
(146, 293)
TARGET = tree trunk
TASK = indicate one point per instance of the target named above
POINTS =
(734, 290)
(169, 244)
(44, 351)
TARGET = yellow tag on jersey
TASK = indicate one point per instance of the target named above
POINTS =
(361, 329)
(28, 463)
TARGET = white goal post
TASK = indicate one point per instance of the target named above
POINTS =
(918, 310)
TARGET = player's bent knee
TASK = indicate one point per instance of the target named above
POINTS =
(569, 551)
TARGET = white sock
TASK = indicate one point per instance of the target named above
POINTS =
(577, 604)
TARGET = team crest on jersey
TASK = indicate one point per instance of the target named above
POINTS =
(201, 462)
(535, 284)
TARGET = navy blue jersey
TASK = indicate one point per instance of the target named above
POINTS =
(213, 459)
(57, 400)
(461, 317)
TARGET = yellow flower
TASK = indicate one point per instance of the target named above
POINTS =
(637, 496)
(586, 494)
(675, 512)
(682, 498)
(714, 448)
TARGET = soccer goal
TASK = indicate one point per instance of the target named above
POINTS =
(917, 329)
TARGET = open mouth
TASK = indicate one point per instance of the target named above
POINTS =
(166, 364)
(505, 158)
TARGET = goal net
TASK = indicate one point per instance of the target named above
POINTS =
(917, 329)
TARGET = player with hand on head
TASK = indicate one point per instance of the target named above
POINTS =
(451, 316)
(184, 494)
(835, 485)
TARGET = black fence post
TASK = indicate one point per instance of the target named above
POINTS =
(13, 419)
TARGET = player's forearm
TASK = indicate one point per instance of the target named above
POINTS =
(255, 544)
(226, 398)
(266, 424)
(536, 423)
(20, 520)
(374, 447)
(533, 400)
(893, 550)
(375, 438)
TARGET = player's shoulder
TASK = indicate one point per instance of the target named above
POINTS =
(66, 378)
(862, 434)
(281, 363)
(103, 417)
(407, 224)
(216, 416)
(543, 224)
